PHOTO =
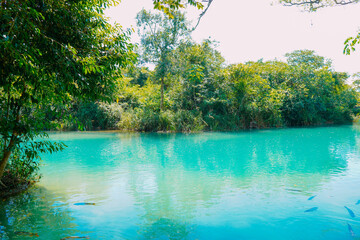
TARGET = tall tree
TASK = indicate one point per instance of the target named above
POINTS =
(197, 67)
(159, 36)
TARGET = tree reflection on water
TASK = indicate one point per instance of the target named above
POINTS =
(37, 211)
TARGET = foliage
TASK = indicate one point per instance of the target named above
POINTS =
(138, 75)
(159, 36)
(308, 58)
(97, 116)
(207, 95)
(197, 68)
(350, 44)
(169, 6)
(356, 81)
(26, 158)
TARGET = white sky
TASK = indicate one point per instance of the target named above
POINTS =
(253, 29)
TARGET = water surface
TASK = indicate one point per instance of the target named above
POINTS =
(246, 185)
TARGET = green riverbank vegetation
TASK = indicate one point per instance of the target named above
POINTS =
(191, 88)
(201, 93)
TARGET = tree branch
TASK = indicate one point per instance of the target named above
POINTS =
(203, 13)
(316, 4)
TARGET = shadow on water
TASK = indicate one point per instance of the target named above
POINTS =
(164, 228)
(34, 214)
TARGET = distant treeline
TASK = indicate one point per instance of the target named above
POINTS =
(202, 93)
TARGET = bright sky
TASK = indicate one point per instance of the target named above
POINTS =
(253, 29)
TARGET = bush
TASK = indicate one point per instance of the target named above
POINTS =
(25, 160)
(166, 121)
(110, 115)
(188, 121)
(149, 120)
(91, 116)
(129, 121)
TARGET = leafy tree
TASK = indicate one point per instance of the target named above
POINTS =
(317, 96)
(356, 81)
(197, 67)
(159, 36)
(139, 75)
(308, 58)
(256, 93)
(304, 92)
(53, 51)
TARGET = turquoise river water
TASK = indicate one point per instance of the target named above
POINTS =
(245, 185)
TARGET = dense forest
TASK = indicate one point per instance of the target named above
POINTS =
(192, 89)
(64, 67)
(201, 93)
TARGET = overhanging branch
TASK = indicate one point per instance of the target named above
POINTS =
(316, 4)
(203, 12)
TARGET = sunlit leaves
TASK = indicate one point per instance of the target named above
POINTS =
(171, 6)
(350, 44)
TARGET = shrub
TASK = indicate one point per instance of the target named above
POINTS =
(25, 160)
(188, 121)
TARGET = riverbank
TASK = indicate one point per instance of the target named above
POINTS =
(355, 121)
(13, 186)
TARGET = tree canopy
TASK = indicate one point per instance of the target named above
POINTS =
(205, 94)
(307, 58)
(159, 37)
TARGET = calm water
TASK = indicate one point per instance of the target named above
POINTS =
(248, 185)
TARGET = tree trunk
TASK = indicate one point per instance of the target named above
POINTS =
(5, 157)
(8, 149)
(3, 163)
(162, 94)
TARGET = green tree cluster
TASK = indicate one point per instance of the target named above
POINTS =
(159, 36)
(202, 93)
(191, 89)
